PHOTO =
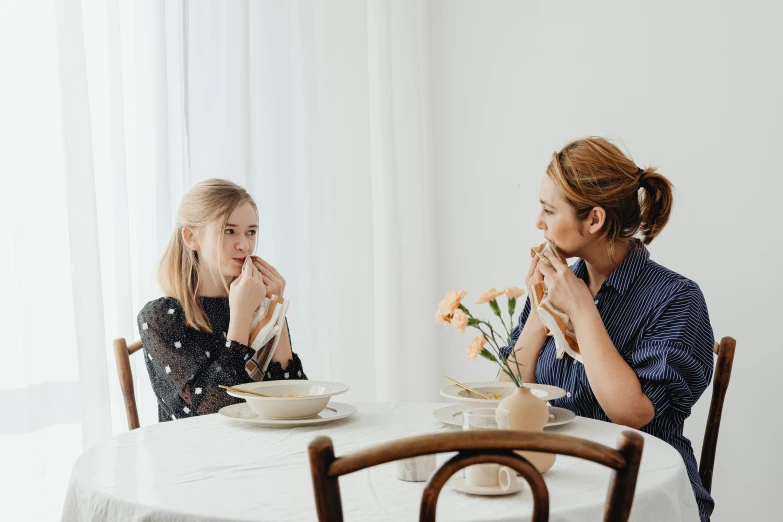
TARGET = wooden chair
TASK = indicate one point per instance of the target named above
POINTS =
(122, 353)
(477, 447)
(720, 383)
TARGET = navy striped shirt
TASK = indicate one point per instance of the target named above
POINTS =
(658, 321)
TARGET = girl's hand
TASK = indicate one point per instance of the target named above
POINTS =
(247, 291)
(274, 282)
(563, 289)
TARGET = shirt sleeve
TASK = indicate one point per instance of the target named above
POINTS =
(505, 351)
(179, 364)
(293, 369)
(674, 360)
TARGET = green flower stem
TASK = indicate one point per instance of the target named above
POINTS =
(519, 379)
(492, 343)
(508, 334)
(511, 376)
(492, 330)
(519, 371)
(502, 362)
(511, 322)
(490, 337)
(493, 304)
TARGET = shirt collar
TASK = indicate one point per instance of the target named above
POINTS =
(626, 273)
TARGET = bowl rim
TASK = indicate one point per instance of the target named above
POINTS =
(337, 388)
(450, 391)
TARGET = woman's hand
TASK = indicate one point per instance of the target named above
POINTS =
(532, 337)
(274, 282)
(247, 291)
(533, 277)
(563, 289)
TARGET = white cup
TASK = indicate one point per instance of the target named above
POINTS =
(490, 476)
(487, 475)
(416, 469)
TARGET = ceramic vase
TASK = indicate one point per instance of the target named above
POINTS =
(528, 412)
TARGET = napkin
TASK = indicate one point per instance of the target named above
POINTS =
(268, 324)
(558, 324)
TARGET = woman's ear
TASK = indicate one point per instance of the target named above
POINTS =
(190, 239)
(595, 220)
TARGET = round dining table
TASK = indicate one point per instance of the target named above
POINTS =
(212, 468)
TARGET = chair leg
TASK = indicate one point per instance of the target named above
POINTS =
(326, 488)
(623, 485)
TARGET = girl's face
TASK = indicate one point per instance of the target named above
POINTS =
(558, 222)
(239, 241)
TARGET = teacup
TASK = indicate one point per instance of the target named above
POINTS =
(487, 475)
(416, 469)
(490, 476)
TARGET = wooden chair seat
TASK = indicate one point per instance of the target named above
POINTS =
(476, 447)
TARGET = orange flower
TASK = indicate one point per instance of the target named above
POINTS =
(459, 321)
(514, 292)
(447, 306)
(488, 295)
(475, 346)
(441, 319)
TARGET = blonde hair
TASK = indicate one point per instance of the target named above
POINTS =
(593, 172)
(178, 271)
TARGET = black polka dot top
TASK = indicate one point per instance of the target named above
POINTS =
(187, 365)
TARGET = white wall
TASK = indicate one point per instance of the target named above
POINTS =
(692, 87)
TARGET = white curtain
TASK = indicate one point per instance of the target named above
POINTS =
(87, 205)
(111, 110)
(319, 110)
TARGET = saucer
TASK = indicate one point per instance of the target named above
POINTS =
(332, 412)
(453, 415)
(458, 483)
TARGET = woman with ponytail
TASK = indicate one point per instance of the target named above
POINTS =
(643, 331)
(196, 338)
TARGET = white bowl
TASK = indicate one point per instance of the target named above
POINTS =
(289, 400)
(497, 391)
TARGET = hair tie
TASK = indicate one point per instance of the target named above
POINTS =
(639, 175)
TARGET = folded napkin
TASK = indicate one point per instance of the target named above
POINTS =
(268, 324)
(557, 324)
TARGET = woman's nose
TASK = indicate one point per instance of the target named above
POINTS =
(243, 244)
(540, 221)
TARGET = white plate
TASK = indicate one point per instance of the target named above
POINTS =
(498, 390)
(242, 412)
(453, 415)
(289, 400)
(458, 483)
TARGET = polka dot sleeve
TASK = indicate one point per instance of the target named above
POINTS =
(184, 364)
(293, 369)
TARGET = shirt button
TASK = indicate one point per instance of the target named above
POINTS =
(596, 301)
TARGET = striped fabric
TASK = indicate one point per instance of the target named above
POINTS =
(658, 321)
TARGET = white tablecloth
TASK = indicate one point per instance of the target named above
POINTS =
(211, 468)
